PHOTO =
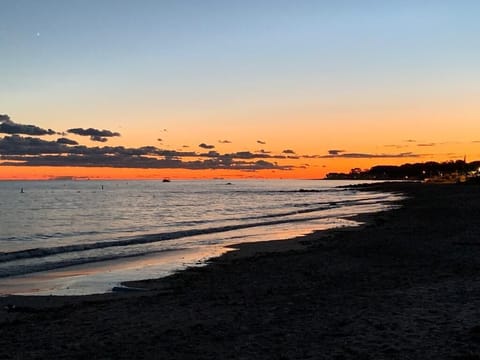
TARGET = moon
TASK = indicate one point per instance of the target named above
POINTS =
(38, 34)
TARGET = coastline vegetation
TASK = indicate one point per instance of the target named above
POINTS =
(431, 171)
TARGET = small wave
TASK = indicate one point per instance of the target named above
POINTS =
(290, 213)
(301, 190)
(262, 220)
(66, 234)
(146, 239)
(57, 264)
(309, 209)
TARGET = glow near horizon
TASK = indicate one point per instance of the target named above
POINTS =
(306, 75)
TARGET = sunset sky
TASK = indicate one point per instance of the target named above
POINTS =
(202, 89)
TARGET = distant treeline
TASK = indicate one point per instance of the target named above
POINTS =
(417, 171)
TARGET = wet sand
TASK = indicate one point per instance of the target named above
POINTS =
(404, 286)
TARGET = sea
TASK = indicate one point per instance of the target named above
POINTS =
(83, 237)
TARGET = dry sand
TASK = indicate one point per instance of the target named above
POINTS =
(405, 286)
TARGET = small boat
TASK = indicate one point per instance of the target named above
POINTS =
(166, 180)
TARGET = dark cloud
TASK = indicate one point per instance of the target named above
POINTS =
(426, 144)
(93, 133)
(17, 145)
(30, 151)
(206, 146)
(260, 155)
(265, 164)
(395, 146)
(66, 141)
(224, 141)
(97, 160)
(246, 155)
(17, 150)
(261, 142)
(335, 152)
(123, 161)
(410, 140)
(7, 126)
(257, 155)
(211, 153)
(288, 151)
(98, 138)
(371, 156)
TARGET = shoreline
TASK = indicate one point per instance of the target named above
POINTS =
(404, 285)
(103, 275)
(230, 253)
(227, 252)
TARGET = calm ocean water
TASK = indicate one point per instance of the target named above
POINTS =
(110, 231)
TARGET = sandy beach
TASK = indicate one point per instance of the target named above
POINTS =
(406, 285)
